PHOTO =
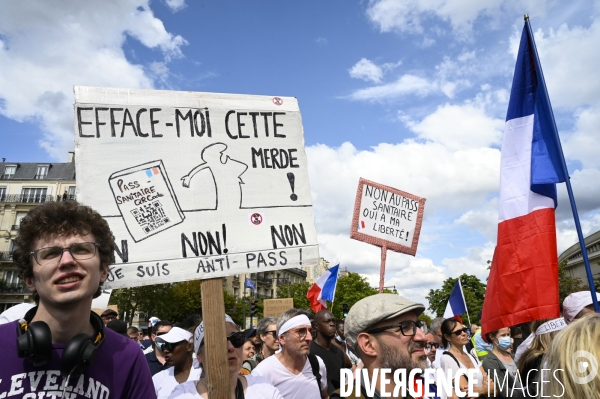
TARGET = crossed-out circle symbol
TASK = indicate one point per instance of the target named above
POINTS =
(256, 218)
(578, 366)
(277, 100)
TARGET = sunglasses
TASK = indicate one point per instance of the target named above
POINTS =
(432, 345)
(168, 346)
(460, 332)
(237, 339)
(274, 332)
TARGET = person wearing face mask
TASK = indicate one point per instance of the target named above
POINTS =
(500, 365)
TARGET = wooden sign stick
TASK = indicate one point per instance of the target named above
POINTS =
(382, 269)
(215, 347)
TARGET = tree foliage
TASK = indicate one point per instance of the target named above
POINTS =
(350, 289)
(568, 284)
(297, 292)
(473, 290)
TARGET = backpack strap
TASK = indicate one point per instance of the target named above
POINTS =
(249, 364)
(314, 364)
(452, 356)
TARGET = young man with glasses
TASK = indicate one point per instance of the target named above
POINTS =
(385, 331)
(154, 357)
(295, 373)
(63, 252)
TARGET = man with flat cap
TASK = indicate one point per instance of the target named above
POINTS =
(386, 334)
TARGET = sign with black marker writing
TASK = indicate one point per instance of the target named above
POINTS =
(195, 185)
(387, 217)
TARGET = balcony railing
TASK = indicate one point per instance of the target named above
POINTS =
(5, 255)
(13, 288)
(27, 198)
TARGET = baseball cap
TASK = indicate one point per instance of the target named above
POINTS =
(250, 332)
(375, 308)
(176, 334)
(575, 302)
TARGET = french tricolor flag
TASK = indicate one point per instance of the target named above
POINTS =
(323, 289)
(456, 303)
(523, 281)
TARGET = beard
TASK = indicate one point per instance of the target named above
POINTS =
(395, 358)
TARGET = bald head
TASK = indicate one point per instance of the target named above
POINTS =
(325, 324)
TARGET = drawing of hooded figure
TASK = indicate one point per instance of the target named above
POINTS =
(226, 173)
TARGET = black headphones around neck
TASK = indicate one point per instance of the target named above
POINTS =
(34, 343)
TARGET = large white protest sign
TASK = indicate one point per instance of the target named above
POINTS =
(195, 185)
(387, 217)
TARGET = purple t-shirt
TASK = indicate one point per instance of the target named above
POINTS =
(119, 371)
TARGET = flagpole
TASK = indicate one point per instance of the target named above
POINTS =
(464, 300)
(584, 254)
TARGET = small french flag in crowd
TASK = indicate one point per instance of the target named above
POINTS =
(456, 303)
(323, 290)
(152, 172)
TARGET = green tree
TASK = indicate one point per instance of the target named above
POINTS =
(568, 284)
(350, 289)
(473, 290)
(297, 292)
(425, 318)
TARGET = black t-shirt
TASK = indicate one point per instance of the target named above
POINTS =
(334, 362)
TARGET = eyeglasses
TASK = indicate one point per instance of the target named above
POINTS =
(301, 333)
(408, 328)
(168, 346)
(51, 256)
(432, 345)
(460, 332)
(237, 339)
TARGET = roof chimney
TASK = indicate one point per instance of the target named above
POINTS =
(3, 159)
(71, 157)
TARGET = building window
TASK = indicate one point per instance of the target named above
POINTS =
(236, 291)
(42, 172)
(9, 171)
(72, 192)
(3, 194)
(36, 194)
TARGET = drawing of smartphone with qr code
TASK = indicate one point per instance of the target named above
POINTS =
(146, 199)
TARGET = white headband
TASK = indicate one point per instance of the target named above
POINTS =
(296, 321)
(551, 326)
(199, 333)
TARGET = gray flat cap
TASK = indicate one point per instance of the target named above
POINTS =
(375, 308)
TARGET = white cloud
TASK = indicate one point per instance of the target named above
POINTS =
(405, 85)
(366, 70)
(459, 126)
(582, 143)
(483, 219)
(409, 15)
(321, 40)
(176, 5)
(569, 63)
(474, 263)
(47, 47)
(450, 76)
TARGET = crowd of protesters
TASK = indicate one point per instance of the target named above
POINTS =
(59, 348)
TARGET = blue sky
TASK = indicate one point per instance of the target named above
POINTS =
(408, 93)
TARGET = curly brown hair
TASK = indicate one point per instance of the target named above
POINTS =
(61, 219)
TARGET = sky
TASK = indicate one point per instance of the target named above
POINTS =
(411, 94)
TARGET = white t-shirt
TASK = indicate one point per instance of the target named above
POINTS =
(258, 388)
(292, 386)
(448, 363)
(165, 382)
